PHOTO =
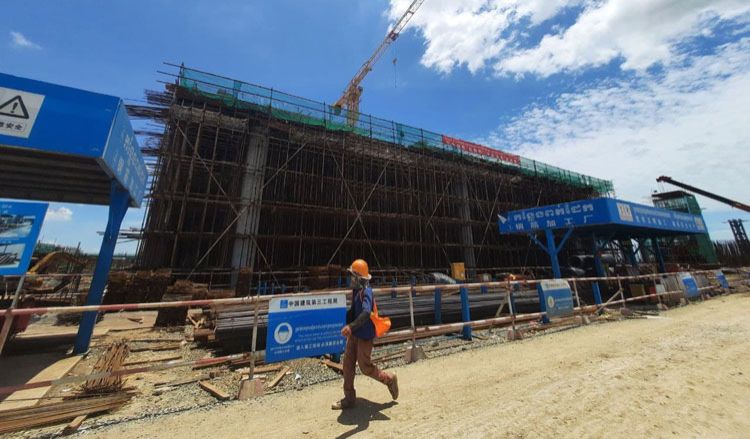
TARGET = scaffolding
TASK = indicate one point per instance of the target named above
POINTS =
(694, 249)
(249, 178)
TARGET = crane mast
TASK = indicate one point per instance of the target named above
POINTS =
(351, 96)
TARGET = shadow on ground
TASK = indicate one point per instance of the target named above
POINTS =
(361, 414)
(21, 368)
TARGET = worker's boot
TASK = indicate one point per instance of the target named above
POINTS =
(342, 405)
(393, 387)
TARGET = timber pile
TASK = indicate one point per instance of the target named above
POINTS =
(244, 282)
(220, 294)
(150, 286)
(325, 276)
(117, 287)
(181, 290)
(39, 415)
(113, 359)
(139, 287)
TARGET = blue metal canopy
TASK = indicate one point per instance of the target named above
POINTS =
(603, 216)
(63, 144)
(598, 218)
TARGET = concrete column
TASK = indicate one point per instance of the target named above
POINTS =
(251, 195)
(467, 237)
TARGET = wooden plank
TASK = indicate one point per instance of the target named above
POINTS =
(75, 424)
(153, 360)
(333, 365)
(202, 333)
(267, 368)
(279, 377)
(215, 391)
(195, 323)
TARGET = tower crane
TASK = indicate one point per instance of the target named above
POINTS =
(351, 96)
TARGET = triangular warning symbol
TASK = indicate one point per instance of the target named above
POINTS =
(14, 108)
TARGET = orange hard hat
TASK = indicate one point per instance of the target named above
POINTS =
(360, 268)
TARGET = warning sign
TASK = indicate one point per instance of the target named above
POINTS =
(18, 112)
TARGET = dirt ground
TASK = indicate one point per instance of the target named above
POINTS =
(685, 373)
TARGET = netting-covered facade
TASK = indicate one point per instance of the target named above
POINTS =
(248, 177)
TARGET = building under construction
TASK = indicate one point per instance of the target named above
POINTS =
(247, 178)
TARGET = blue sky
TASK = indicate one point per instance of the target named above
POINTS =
(620, 89)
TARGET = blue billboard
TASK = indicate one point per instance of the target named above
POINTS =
(307, 326)
(555, 298)
(20, 224)
(66, 122)
(599, 212)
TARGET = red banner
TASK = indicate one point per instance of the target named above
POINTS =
(482, 150)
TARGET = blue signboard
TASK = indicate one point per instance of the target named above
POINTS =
(122, 156)
(722, 279)
(308, 326)
(689, 285)
(599, 211)
(65, 121)
(20, 224)
(555, 298)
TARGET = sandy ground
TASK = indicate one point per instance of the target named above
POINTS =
(685, 373)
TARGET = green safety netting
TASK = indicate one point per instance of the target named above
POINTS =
(284, 106)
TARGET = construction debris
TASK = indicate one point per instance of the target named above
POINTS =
(153, 360)
(75, 424)
(279, 377)
(215, 391)
(138, 287)
(163, 347)
(182, 381)
(181, 290)
(333, 365)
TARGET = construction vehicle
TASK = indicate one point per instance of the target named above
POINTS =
(719, 198)
(353, 92)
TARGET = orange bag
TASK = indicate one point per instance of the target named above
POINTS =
(382, 324)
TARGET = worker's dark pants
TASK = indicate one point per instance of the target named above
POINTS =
(360, 351)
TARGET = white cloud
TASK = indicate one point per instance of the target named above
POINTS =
(691, 123)
(641, 32)
(478, 33)
(19, 40)
(60, 214)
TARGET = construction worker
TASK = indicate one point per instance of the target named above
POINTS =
(360, 332)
